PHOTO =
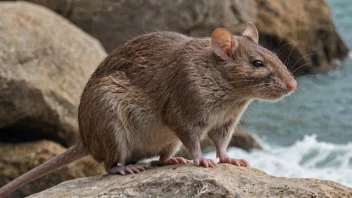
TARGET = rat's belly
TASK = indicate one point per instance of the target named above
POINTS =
(152, 143)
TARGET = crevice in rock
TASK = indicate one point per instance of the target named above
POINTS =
(28, 130)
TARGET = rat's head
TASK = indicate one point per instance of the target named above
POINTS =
(249, 67)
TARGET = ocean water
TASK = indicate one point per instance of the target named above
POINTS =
(308, 134)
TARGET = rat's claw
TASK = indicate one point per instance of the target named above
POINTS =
(181, 160)
(236, 162)
(135, 169)
(244, 163)
(227, 160)
(141, 168)
(205, 162)
(171, 161)
(129, 170)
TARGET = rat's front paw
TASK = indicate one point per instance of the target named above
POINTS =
(205, 162)
(170, 161)
(237, 162)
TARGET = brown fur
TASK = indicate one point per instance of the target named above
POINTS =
(164, 89)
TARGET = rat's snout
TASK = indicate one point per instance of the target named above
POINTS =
(291, 86)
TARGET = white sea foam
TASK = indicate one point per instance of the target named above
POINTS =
(307, 158)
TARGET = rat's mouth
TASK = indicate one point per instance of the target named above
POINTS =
(274, 94)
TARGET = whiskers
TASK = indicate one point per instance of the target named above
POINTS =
(237, 81)
(302, 59)
(289, 55)
(306, 76)
(287, 60)
(266, 86)
(299, 67)
(279, 51)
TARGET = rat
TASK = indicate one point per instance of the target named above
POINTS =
(164, 89)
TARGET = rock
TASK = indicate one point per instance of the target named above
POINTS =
(190, 181)
(301, 31)
(241, 139)
(115, 21)
(244, 140)
(45, 62)
(20, 158)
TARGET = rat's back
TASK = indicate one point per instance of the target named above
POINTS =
(119, 109)
(143, 51)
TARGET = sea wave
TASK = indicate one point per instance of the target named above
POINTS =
(307, 158)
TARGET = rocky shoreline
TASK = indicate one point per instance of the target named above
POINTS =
(45, 61)
(190, 181)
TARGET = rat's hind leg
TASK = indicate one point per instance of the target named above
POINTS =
(116, 162)
(167, 153)
(129, 169)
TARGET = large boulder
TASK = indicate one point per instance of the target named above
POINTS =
(191, 181)
(45, 62)
(20, 158)
(301, 31)
(115, 21)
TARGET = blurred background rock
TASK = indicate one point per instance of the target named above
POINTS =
(297, 28)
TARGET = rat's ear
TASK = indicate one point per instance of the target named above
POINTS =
(251, 33)
(223, 43)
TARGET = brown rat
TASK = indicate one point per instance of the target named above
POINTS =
(164, 89)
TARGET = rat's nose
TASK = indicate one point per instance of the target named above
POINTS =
(292, 85)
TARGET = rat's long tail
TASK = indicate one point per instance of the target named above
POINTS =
(74, 153)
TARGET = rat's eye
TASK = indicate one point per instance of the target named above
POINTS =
(258, 63)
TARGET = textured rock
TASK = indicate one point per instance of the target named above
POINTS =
(115, 21)
(303, 25)
(45, 62)
(20, 158)
(191, 181)
(302, 32)
(244, 140)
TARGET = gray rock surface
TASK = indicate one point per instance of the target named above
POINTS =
(45, 62)
(191, 181)
(301, 31)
